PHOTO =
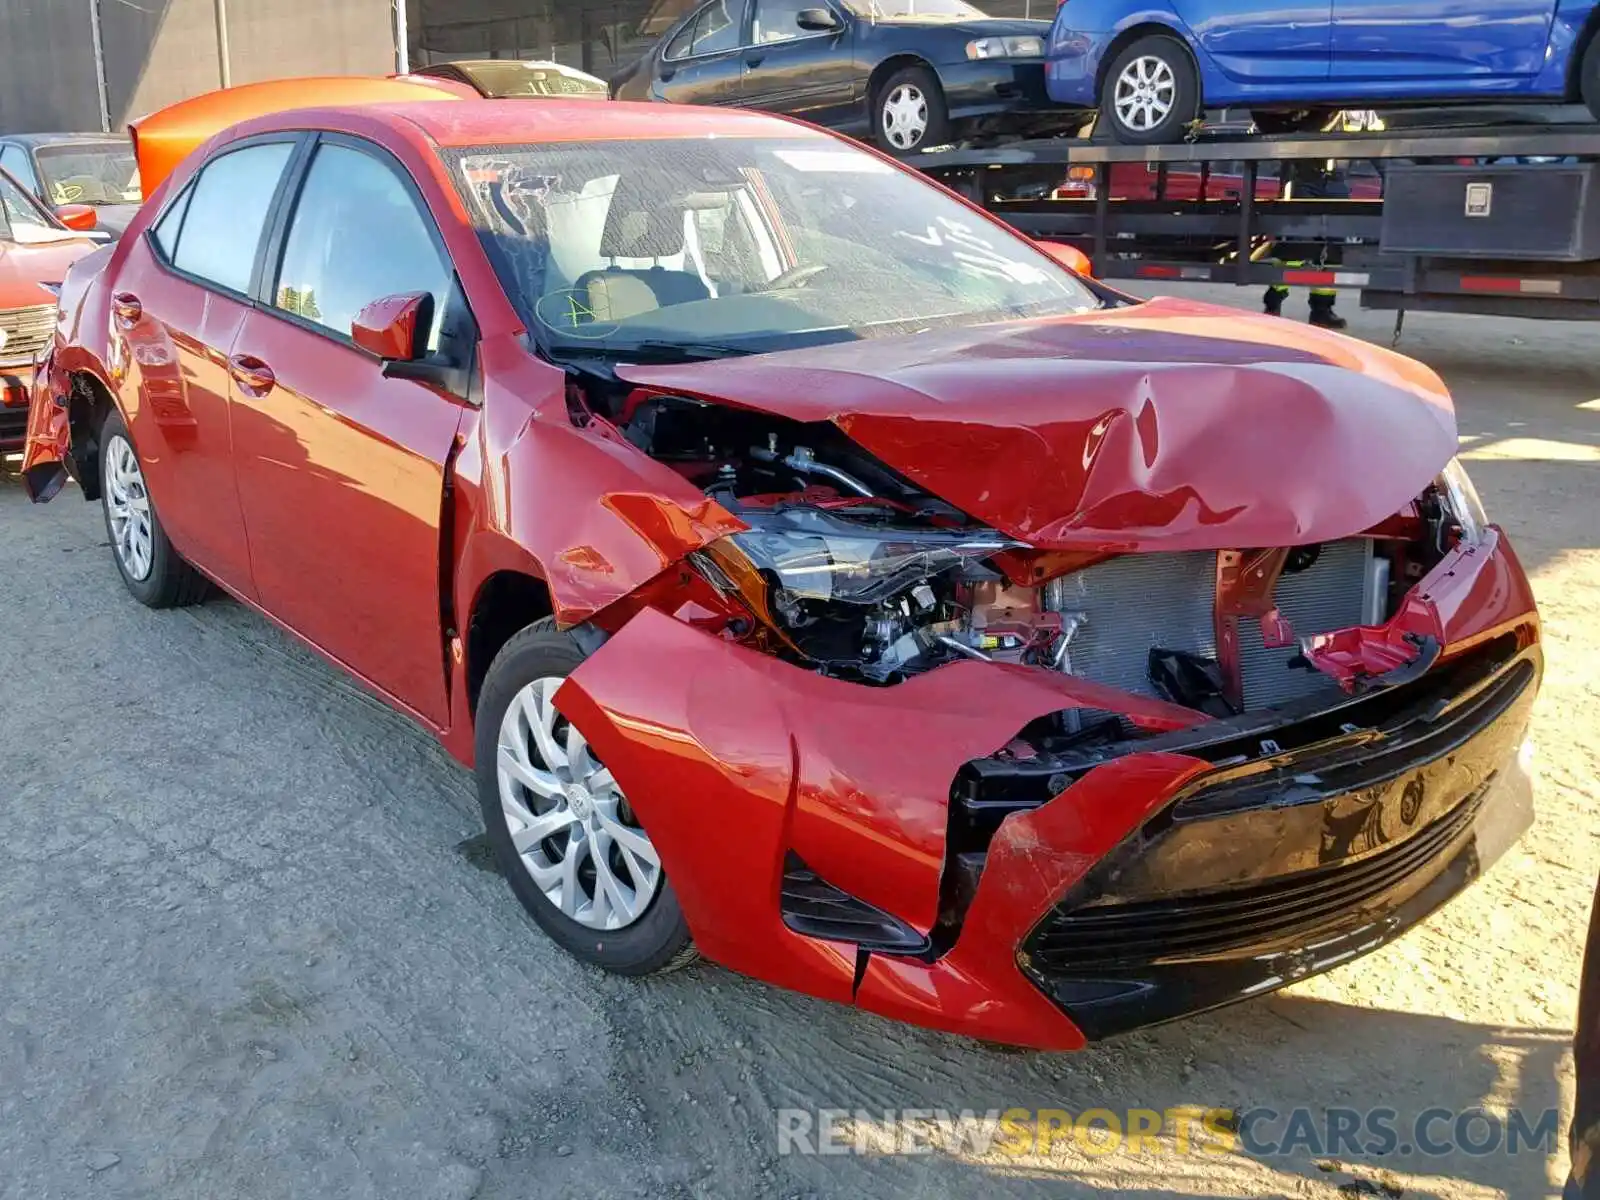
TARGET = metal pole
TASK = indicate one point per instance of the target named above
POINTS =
(100, 66)
(223, 71)
(402, 39)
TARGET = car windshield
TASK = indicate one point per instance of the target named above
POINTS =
(89, 173)
(930, 10)
(503, 80)
(742, 244)
(23, 220)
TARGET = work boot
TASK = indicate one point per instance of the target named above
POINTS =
(1272, 302)
(1323, 316)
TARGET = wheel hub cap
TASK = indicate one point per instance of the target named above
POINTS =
(905, 116)
(568, 820)
(128, 510)
(1145, 93)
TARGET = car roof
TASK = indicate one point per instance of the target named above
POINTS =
(481, 122)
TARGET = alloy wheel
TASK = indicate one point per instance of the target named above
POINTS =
(569, 822)
(1145, 93)
(905, 117)
(128, 510)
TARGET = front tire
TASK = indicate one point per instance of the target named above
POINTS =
(151, 569)
(909, 112)
(1151, 93)
(1589, 79)
(563, 833)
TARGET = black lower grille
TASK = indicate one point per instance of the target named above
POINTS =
(811, 905)
(13, 426)
(1290, 907)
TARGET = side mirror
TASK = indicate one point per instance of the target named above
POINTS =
(394, 327)
(816, 20)
(1070, 257)
(79, 217)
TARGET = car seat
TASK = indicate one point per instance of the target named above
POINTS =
(639, 226)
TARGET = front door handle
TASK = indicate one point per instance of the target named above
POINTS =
(251, 374)
(127, 307)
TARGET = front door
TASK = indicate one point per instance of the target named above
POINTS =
(1446, 46)
(702, 62)
(1253, 41)
(181, 299)
(341, 469)
(799, 72)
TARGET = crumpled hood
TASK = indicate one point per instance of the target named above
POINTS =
(1169, 425)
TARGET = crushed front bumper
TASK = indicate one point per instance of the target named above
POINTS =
(1171, 878)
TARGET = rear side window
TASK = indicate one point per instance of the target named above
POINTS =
(225, 212)
(357, 236)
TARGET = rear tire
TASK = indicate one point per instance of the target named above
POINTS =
(1589, 79)
(1151, 93)
(151, 569)
(909, 112)
(588, 821)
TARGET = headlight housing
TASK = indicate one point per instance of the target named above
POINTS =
(815, 556)
(1462, 500)
(1006, 47)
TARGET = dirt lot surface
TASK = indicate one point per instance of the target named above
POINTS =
(250, 944)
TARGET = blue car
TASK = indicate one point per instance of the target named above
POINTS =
(1152, 66)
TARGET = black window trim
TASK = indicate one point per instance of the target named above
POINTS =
(270, 268)
(297, 139)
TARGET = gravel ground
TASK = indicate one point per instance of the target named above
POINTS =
(251, 944)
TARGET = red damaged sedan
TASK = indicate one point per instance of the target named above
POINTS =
(817, 575)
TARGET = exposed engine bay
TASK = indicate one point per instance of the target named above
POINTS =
(850, 569)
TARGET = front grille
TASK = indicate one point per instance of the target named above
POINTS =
(27, 332)
(1139, 602)
(1283, 909)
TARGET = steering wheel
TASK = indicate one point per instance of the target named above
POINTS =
(797, 276)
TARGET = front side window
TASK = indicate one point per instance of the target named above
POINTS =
(89, 173)
(227, 209)
(356, 237)
(15, 160)
(779, 20)
(748, 242)
(915, 10)
(24, 220)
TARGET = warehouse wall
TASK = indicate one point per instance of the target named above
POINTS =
(160, 51)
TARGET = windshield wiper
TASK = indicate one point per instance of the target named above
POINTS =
(654, 350)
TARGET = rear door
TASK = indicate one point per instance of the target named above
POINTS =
(341, 466)
(179, 302)
(799, 72)
(701, 63)
(1443, 47)
(1261, 42)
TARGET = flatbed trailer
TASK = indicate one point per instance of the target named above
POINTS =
(1457, 220)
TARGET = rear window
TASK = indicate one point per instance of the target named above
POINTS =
(226, 211)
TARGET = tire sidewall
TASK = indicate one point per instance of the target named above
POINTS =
(651, 942)
(1186, 101)
(937, 131)
(1589, 79)
(151, 589)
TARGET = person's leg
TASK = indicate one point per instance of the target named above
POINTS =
(1272, 302)
(1322, 314)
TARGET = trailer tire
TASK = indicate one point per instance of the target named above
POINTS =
(1589, 80)
(1151, 93)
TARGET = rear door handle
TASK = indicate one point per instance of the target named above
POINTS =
(755, 60)
(251, 374)
(127, 307)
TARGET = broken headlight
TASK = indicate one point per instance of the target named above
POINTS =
(815, 556)
(1462, 500)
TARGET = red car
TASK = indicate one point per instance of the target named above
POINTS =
(36, 248)
(816, 574)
